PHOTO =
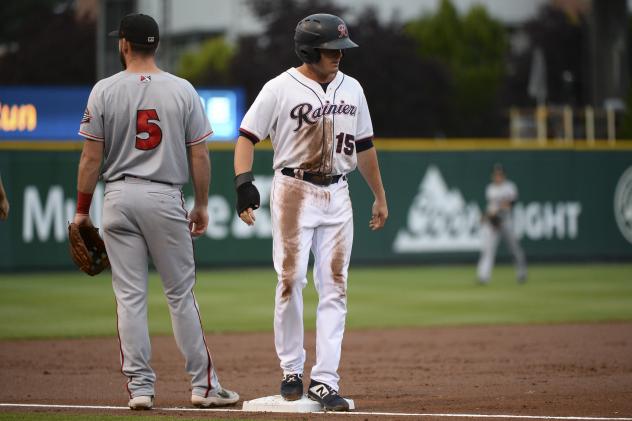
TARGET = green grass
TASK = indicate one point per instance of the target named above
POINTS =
(73, 305)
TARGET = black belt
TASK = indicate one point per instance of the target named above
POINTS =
(139, 178)
(314, 178)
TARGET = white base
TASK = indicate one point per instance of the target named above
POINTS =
(276, 403)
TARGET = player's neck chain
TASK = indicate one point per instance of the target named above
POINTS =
(306, 113)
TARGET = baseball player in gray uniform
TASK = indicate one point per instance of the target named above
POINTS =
(144, 124)
(319, 123)
(501, 194)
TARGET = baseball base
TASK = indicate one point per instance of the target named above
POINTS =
(276, 403)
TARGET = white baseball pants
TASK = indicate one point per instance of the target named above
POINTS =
(318, 218)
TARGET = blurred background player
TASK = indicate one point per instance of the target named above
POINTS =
(4, 202)
(501, 194)
(318, 120)
(150, 123)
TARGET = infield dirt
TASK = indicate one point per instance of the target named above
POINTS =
(546, 370)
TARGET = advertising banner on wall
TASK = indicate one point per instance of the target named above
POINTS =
(572, 205)
(54, 113)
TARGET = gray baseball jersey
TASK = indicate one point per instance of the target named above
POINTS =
(146, 122)
(497, 194)
(134, 114)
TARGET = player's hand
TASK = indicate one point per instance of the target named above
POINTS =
(379, 214)
(82, 220)
(4, 209)
(248, 200)
(198, 220)
(248, 216)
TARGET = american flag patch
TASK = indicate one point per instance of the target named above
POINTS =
(145, 79)
(86, 117)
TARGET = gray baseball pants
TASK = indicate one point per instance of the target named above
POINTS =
(490, 238)
(143, 219)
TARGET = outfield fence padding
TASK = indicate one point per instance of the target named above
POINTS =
(574, 204)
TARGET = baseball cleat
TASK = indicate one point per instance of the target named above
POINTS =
(292, 387)
(220, 397)
(141, 403)
(327, 397)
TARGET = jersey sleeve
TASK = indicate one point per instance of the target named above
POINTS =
(364, 129)
(198, 127)
(259, 119)
(91, 126)
(512, 192)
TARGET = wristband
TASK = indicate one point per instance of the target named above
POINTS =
(243, 178)
(83, 202)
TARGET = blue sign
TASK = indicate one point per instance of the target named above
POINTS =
(54, 113)
(41, 113)
(224, 109)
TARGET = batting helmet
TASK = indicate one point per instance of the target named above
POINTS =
(320, 31)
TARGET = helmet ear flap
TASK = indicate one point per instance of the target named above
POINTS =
(307, 54)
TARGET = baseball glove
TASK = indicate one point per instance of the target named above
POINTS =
(87, 249)
(494, 220)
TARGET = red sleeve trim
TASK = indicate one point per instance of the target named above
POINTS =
(199, 139)
(248, 135)
(91, 136)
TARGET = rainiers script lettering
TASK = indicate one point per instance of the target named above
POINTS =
(306, 113)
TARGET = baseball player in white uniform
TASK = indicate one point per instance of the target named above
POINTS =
(319, 123)
(144, 124)
(501, 194)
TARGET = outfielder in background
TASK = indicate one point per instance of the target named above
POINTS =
(144, 124)
(318, 120)
(501, 194)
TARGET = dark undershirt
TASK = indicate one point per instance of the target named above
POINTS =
(325, 85)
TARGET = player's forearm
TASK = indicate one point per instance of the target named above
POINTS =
(200, 173)
(244, 155)
(89, 166)
(370, 170)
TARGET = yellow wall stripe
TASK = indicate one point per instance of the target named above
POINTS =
(382, 144)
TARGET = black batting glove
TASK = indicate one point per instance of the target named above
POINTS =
(247, 197)
(247, 193)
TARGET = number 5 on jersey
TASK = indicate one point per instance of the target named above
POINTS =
(151, 129)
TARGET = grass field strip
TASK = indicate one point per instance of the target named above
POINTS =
(385, 414)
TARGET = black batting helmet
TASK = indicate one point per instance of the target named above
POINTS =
(324, 31)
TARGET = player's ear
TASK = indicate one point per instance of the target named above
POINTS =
(124, 46)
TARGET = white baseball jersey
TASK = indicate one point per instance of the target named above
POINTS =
(141, 119)
(311, 129)
(497, 194)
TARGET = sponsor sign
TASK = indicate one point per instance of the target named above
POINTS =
(54, 113)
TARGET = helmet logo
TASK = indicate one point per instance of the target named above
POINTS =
(342, 31)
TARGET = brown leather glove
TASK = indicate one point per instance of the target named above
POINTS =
(87, 249)
(494, 220)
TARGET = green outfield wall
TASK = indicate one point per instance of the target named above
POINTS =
(574, 204)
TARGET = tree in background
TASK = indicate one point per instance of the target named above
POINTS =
(209, 64)
(624, 129)
(472, 48)
(46, 42)
(561, 36)
(407, 94)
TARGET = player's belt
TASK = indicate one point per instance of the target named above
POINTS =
(311, 177)
(132, 178)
